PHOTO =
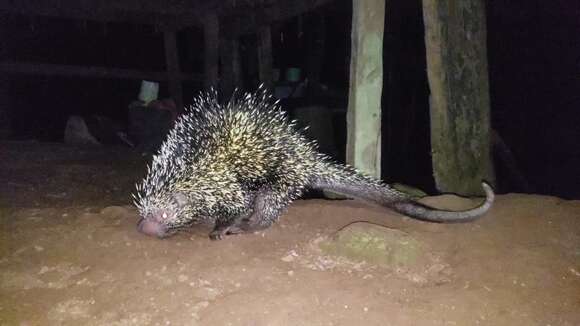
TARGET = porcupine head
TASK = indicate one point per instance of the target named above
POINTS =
(164, 207)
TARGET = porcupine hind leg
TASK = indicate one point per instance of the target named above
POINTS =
(266, 207)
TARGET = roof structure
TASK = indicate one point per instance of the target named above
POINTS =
(242, 15)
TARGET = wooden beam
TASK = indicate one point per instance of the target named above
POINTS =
(265, 58)
(88, 71)
(211, 29)
(363, 149)
(172, 65)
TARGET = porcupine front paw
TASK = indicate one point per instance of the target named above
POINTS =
(220, 232)
(216, 235)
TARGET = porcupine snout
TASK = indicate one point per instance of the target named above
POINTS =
(150, 227)
(153, 225)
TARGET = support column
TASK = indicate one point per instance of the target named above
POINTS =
(455, 39)
(363, 149)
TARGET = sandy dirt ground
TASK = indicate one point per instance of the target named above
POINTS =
(70, 255)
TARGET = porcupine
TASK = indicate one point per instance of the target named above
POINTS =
(237, 167)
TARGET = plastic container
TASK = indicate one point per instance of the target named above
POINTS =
(293, 74)
(149, 91)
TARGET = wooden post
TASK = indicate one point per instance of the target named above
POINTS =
(231, 67)
(455, 38)
(265, 56)
(211, 50)
(172, 64)
(363, 149)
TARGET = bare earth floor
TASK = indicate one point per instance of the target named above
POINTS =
(70, 255)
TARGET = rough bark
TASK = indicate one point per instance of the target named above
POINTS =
(455, 37)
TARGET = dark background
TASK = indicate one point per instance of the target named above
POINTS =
(534, 70)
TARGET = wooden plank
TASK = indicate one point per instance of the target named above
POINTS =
(172, 65)
(366, 83)
(88, 71)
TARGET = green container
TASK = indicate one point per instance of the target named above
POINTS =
(293, 74)
(149, 91)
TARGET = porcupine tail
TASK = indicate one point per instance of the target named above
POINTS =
(347, 181)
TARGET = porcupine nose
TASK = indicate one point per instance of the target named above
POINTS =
(152, 228)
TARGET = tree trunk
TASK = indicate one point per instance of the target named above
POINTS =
(455, 38)
(363, 149)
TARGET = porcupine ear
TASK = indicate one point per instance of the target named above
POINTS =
(180, 199)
